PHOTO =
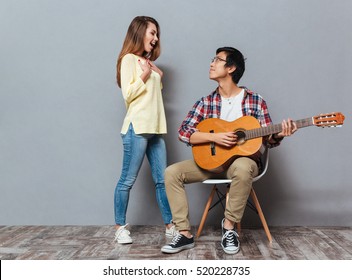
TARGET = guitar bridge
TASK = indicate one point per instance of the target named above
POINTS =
(212, 146)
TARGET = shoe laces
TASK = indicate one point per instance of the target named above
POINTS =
(176, 239)
(229, 235)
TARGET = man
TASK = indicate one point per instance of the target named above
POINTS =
(227, 102)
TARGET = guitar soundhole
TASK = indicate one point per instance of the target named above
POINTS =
(241, 137)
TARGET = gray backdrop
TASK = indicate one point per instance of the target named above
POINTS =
(61, 110)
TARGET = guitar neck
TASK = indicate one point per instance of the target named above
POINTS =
(275, 128)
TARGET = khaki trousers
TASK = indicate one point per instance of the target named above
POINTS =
(241, 172)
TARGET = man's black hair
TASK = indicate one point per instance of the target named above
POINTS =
(234, 58)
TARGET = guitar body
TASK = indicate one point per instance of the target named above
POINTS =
(216, 158)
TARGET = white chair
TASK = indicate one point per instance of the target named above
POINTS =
(255, 206)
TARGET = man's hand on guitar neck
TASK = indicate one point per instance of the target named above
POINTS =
(288, 128)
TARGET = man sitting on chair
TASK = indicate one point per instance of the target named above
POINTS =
(228, 102)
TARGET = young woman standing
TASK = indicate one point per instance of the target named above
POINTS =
(144, 124)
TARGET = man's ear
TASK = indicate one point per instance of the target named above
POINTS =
(231, 69)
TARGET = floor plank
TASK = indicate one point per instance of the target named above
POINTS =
(96, 242)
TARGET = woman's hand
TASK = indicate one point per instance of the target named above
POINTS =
(155, 68)
(147, 70)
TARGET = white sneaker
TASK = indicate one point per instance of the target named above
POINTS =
(122, 235)
(170, 232)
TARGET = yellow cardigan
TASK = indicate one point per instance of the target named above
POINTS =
(144, 102)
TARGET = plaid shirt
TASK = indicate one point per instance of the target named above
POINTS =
(210, 107)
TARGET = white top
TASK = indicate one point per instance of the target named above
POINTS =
(231, 108)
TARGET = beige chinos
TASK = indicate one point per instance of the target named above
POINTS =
(241, 172)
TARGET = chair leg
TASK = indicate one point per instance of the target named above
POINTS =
(205, 212)
(261, 215)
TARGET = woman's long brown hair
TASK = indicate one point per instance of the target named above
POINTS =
(134, 42)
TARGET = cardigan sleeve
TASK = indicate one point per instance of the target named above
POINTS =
(132, 85)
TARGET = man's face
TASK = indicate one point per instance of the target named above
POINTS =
(217, 67)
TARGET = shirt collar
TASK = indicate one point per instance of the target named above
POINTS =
(246, 91)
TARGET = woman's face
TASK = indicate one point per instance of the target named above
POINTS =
(150, 38)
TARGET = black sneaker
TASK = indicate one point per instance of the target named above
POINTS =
(229, 241)
(178, 243)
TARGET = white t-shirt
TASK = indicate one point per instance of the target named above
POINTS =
(231, 108)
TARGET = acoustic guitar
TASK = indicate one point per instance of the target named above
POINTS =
(216, 158)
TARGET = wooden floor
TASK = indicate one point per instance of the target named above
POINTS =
(96, 242)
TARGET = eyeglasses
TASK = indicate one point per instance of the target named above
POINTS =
(216, 59)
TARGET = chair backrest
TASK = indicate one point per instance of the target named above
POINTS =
(265, 164)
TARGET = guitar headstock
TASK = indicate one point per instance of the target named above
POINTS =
(328, 120)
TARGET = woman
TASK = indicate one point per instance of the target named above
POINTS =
(144, 123)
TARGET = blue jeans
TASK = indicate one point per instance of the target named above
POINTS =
(136, 146)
